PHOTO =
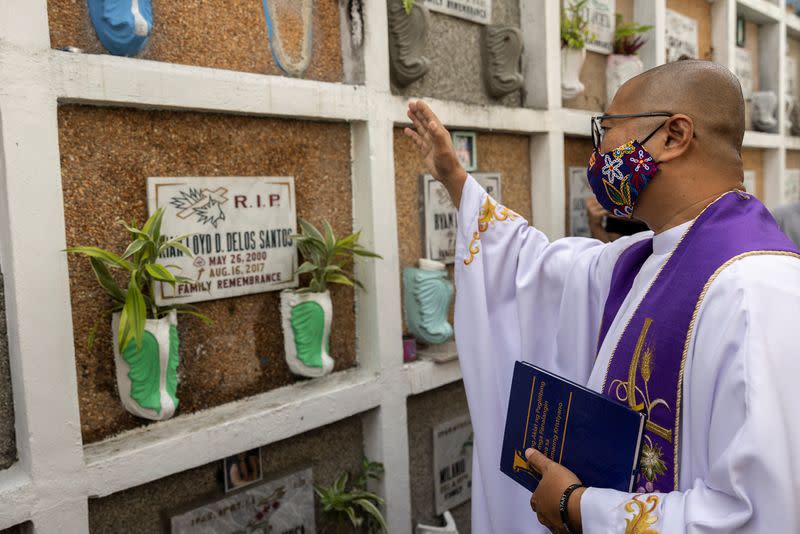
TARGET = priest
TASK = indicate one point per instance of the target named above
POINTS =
(693, 323)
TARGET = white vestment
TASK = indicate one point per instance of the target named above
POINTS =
(521, 297)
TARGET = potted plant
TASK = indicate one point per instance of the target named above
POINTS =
(307, 312)
(574, 34)
(625, 63)
(145, 335)
(354, 509)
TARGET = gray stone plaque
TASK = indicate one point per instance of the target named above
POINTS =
(579, 191)
(479, 11)
(281, 506)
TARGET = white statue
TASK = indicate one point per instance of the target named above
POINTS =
(448, 528)
(765, 104)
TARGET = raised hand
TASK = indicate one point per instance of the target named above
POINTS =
(595, 212)
(436, 147)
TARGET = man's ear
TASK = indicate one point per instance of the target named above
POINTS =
(679, 131)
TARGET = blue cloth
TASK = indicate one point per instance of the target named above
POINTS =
(123, 26)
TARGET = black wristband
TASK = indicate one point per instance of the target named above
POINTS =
(562, 505)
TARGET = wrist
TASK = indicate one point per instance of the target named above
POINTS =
(455, 185)
(458, 177)
(574, 510)
(598, 232)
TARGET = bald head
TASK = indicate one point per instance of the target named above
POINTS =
(697, 149)
(707, 92)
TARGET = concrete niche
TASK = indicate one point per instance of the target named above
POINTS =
(8, 446)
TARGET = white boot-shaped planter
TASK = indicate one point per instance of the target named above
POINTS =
(619, 69)
(571, 64)
(448, 528)
(428, 294)
(306, 320)
(147, 377)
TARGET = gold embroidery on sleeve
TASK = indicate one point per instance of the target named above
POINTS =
(643, 515)
(473, 248)
(488, 214)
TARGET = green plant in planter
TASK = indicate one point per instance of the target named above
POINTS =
(624, 63)
(408, 5)
(628, 36)
(139, 261)
(307, 312)
(574, 26)
(354, 506)
(146, 344)
(325, 256)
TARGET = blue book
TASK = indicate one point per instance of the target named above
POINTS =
(597, 438)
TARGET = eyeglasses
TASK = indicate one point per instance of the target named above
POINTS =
(597, 130)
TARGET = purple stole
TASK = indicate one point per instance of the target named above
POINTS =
(646, 367)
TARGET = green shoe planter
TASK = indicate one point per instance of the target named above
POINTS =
(307, 313)
(147, 378)
(307, 332)
(145, 335)
(427, 297)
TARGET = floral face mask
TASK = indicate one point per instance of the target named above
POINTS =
(618, 177)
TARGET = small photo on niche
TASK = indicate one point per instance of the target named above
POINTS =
(242, 469)
(465, 144)
(740, 31)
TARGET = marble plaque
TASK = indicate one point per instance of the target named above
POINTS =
(452, 463)
(240, 235)
(750, 181)
(682, 37)
(744, 71)
(440, 216)
(602, 22)
(791, 186)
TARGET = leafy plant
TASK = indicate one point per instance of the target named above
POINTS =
(369, 471)
(574, 25)
(325, 256)
(408, 5)
(628, 38)
(137, 301)
(354, 505)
